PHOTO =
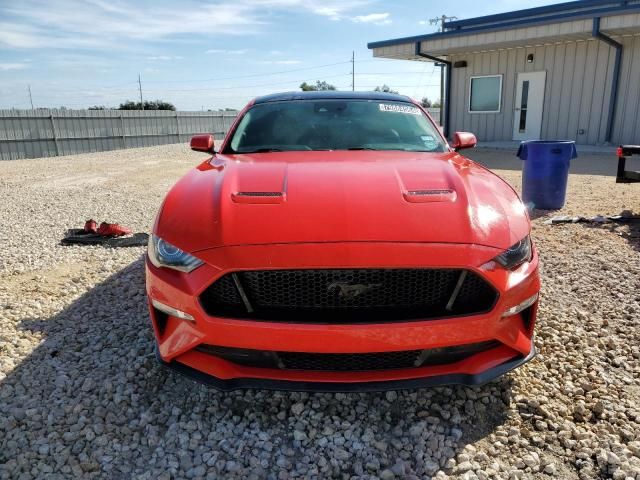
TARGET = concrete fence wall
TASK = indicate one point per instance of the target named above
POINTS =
(435, 113)
(49, 133)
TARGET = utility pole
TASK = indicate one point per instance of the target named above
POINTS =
(30, 97)
(441, 20)
(353, 71)
(140, 88)
(435, 21)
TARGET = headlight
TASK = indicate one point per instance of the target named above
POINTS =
(163, 254)
(516, 255)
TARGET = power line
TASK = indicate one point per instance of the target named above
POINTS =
(415, 90)
(117, 88)
(435, 21)
(401, 86)
(114, 90)
(243, 86)
(84, 93)
(253, 75)
(97, 93)
(400, 72)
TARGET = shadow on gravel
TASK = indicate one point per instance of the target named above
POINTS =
(601, 164)
(536, 214)
(92, 401)
(630, 230)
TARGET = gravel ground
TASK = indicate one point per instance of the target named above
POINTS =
(81, 394)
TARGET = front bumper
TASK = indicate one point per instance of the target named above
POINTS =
(466, 379)
(177, 339)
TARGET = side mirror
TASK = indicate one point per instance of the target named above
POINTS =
(462, 140)
(202, 143)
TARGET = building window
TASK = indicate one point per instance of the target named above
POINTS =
(485, 94)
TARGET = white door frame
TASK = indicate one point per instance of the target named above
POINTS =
(527, 115)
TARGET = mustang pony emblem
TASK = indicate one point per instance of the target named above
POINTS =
(347, 291)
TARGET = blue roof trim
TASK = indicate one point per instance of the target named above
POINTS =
(559, 7)
(331, 95)
(575, 15)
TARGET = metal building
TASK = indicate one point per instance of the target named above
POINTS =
(564, 71)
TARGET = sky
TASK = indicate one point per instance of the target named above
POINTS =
(202, 55)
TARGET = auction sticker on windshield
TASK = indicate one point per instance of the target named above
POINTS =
(386, 107)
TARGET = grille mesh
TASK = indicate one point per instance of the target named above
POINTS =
(344, 362)
(347, 362)
(347, 296)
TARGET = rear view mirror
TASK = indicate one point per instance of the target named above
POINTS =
(462, 140)
(202, 143)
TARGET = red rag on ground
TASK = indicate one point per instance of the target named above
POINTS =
(112, 230)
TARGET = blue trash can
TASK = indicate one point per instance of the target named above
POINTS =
(545, 172)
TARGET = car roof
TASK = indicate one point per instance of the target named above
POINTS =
(331, 95)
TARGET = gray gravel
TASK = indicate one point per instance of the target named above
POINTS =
(81, 394)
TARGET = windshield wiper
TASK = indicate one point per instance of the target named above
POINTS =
(362, 148)
(264, 150)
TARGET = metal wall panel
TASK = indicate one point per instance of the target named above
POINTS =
(626, 127)
(577, 91)
(49, 133)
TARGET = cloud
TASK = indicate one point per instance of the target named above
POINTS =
(5, 67)
(280, 62)
(164, 58)
(222, 51)
(69, 60)
(375, 18)
(332, 9)
(100, 24)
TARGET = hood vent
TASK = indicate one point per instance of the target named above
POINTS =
(424, 196)
(258, 197)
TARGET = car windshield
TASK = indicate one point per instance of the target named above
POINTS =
(335, 125)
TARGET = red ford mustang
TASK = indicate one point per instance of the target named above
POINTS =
(337, 242)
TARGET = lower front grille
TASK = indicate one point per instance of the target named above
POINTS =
(348, 295)
(347, 362)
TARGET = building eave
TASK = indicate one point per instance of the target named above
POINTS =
(513, 22)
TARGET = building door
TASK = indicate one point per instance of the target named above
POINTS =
(527, 118)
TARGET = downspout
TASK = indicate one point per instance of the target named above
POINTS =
(613, 100)
(445, 102)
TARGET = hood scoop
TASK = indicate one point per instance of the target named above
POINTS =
(258, 197)
(427, 196)
(426, 184)
(258, 183)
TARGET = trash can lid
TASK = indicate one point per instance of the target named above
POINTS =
(523, 148)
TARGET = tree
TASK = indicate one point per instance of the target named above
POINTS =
(129, 105)
(98, 107)
(384, 88)
(426, 103)
(436, 104)
(153, 105)
(319, 86)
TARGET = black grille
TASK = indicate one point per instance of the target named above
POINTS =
(347, 296)
(344, 362)
(347, 362)
(260, 194)
(430, 192)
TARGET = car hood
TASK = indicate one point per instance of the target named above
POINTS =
(339, 196)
